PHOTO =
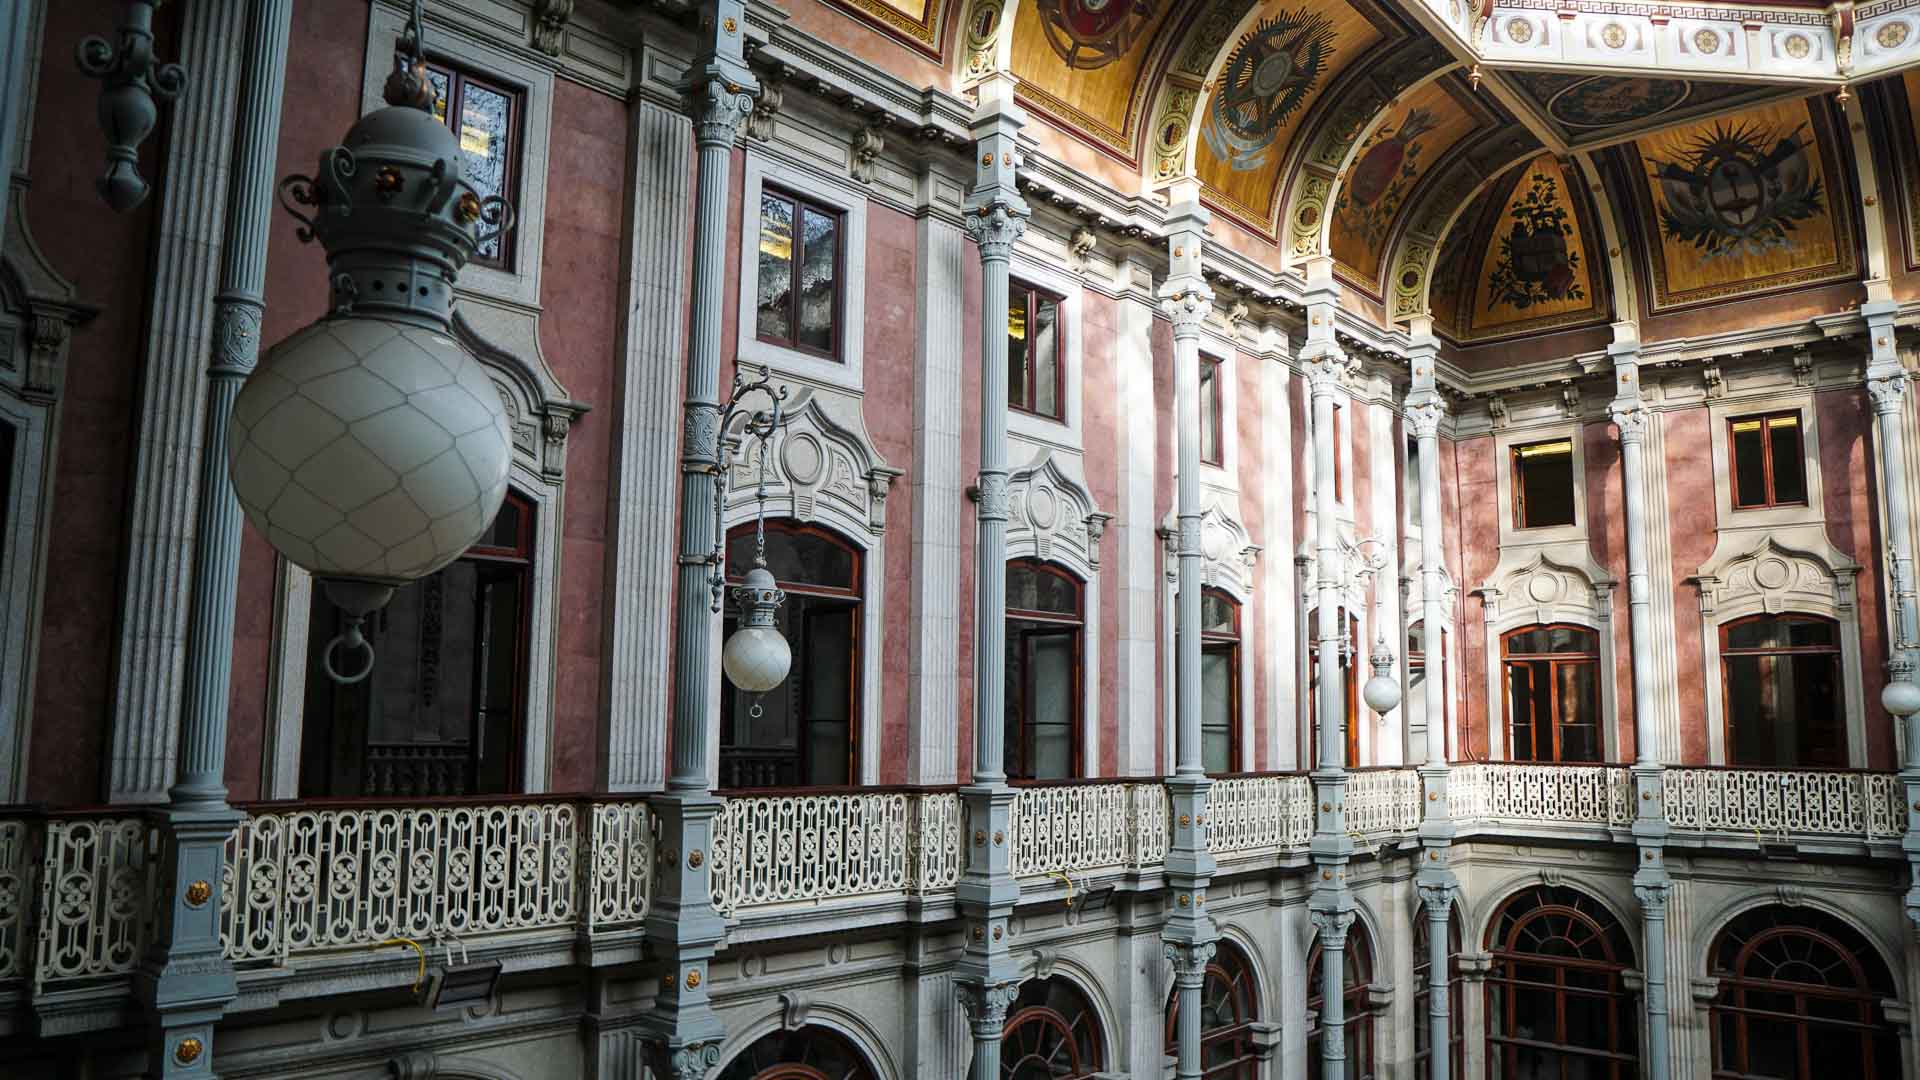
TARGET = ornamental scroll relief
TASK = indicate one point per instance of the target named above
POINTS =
(821, 466)
(1052, 515)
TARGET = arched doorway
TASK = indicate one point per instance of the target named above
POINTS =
(1052, 1034)
(805, 1053)
(1558, 1007)
(1800, 995)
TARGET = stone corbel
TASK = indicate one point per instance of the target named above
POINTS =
(794, 1007)
(880, 479)
(1265, 1037)
(1250, 556)
(1705, 990)
(1497, 412)
(864, 163)
(764, 120)
(1379, 996)
(1802, 367)
(550, 24)
(557, 419)
(1716, 384)
(1475, 967)
(1081, 246)
(1570, 400)
(46, 352)
(1489, 603)
(414, 1065)
(1096, 528)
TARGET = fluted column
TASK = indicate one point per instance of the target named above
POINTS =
(162, 510)
(1437, 898)
(640, 565)
(988, 977)
(185, 979)
(1189, 933)
(683, 1032)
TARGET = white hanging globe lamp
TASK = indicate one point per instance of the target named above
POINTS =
(1900, 697)
(370, 447)
(1382, 691)
(756, 658)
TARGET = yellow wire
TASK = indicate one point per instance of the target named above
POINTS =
(1064, 876)
(419, 977)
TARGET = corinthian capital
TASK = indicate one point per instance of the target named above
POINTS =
(1325, 370)
(1423, 420)
(1332, 926)
(1190, 960)
(719, 108)
(1887, 391)
(1188, 309)
(1632, 420)
(987, 1005)
(996, 227)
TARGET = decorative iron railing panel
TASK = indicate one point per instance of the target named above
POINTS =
(621, 864)
(1083, 827)
(1258, 814)
(99, 889)
(1381, 801)
(16, 894)
(937, 841)
(775, 849)
(1558, 794)
(305, 880)
(1785, 802)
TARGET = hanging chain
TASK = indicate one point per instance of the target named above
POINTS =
(760, 426)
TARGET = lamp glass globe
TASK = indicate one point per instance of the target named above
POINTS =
(756, 658)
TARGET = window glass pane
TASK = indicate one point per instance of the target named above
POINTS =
(1552, 639)
(794, 558)
(504, 533)
(486, 141)
(1216, 709)
(1032, 588)
(774, 319)
(1216, 613)
(1749, 463)
(1411, 481)
(1543, 473)
(442, 92)
(1802, 633)
(819, 253)
(1789, 468)
(1050, 660)
(828, 692)
(1017, 352)
(1210, 410)
(1579, 720)
(1045, 353)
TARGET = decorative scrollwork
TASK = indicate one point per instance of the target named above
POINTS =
(134, 84)
(719, 110)
(996, 227)
(1190, 960)
(1632, 422)
(1423, 420)
(1887, 392)
(1188, 311)
(987, 1006)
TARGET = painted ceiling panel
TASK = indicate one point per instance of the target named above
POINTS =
(1081, 61)
(1588, 109)
(1388, 168)
(1273, 76)
(1519, 260)
(917, 22)
(1742, 204)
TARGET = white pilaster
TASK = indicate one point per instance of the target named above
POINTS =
(1136, 541)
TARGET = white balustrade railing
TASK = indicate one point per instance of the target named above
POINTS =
(17, 838)
(1381, 801)
(620, 865)
(1784, 802)
(305, 880)
(1557, 794)
(937, 841)
(776, 849)
(99, 887)
(1248, 814)
(1084, 827)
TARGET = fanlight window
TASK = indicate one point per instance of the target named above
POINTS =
(1558, 1007)
(1800, 995)
(1357, 978)
(1229, 1006)
(1052, 1034)
(806, 1053)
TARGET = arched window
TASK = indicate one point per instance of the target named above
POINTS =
(1553, 693)
(1781, 677)
(1350, 691)
(806, 1053)
(443, 710)
(1044, 627)
(1229, 1006)
(1800, 995)
(1358, 999)
(805, 731)
(1052, 1034)
(1557, 1003)
(1423, 994)
(1219, 682)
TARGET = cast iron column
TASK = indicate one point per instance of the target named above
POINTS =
(683, 1032)
(1189, 933)
(1650, 880)
(1435, 879)
(1331, 903)
(185, 979)
(988, 977)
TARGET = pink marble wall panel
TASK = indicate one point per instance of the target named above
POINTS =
(1100, 438)
(1849, 473)
(888, 367)
(1255, 460)
(1479, 526)
(1693, 527)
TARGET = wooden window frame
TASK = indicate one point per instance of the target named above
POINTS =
(1514, 456)
(855, 598)
(1212, 426)
(457, 78)
(1030, 387)
(1836, 652)
(1077, 624)
(1077, 1034)
(1350, 683)
(1554, 662)
(1765, 420)
(1622, 1055)
(1871, 984)
(1228, 642)
(803, 205)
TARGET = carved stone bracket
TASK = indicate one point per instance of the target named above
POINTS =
(550, 24)
(868, 142)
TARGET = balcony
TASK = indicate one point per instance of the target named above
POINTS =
(314, 886)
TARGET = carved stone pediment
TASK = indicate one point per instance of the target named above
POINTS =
(1053, 515)
(1544, 589)
(821, 466)
(1774, 575)
(1227, 552)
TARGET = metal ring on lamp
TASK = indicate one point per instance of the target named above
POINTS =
(326, 658)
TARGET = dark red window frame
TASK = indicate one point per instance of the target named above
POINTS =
(1517, 458)
(1227, 643)
(1023, 398)
(1835, 729)
(1052, 1033)
(1213, 443)
(1350, 683)
(457, 80)
(1801, 977)
(1062, 625)
(1561, 945)
(1768, 462)
(1553, 662)
(796, 258)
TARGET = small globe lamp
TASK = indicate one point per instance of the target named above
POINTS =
(371, 447)
(1382, 691)
(756, 658)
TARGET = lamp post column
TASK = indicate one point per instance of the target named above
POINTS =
(1189, 934)
(185, 978)
(683, 1032)
(1651, 882)
(1331, 904)
(988, 977)
(1435, 879)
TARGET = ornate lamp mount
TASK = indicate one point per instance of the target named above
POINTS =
(756, 657)
(134, 84)
(1382, 690)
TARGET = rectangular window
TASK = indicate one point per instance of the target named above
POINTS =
(1411, 485)
(486, 117)
(1553, 693)
(798, 305)
(1769, 468)
(1543, 484)
(1211, 442)
(1036, 381)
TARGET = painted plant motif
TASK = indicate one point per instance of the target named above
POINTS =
(1380, 178)
(1091, 34)
(1265, 80)
(1535, 265)
(1738, 190)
